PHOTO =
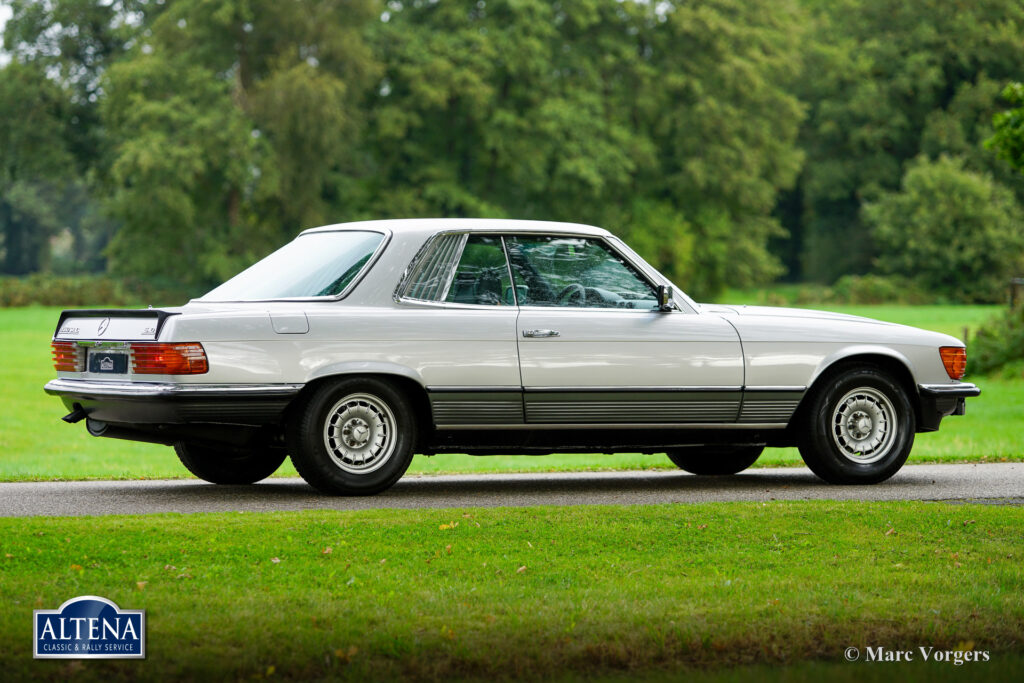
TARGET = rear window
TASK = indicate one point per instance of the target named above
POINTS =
(314, 264)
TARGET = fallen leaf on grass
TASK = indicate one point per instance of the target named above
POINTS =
(521, 569)
(346, 655)
(326, 551)
(276, 560)
(702, 526)
(449, 525)
(448, 548)
(890, 532)
(76, 567)
(141, 585)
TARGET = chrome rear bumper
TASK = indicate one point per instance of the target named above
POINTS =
(123, 402)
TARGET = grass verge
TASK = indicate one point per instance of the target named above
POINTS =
(35, 445)
(505, 593)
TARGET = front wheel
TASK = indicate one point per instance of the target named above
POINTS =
(228, 465)
(353, 437)
(860, 429)
(715, 460)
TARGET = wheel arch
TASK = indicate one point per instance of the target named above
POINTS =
(403, 378)
(886, 359)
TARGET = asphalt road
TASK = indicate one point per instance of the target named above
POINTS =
(1001, 483)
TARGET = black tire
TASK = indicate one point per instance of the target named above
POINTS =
(715, 460)
(876, 407)
(228, 465)
(356, 409)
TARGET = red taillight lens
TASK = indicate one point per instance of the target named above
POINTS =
(955, 360)
(169, 359)
(66, 356)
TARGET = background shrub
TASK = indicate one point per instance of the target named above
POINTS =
(88, 290)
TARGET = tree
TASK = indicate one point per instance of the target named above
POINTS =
(956, 232)
(666, 122)
(1008, 140)
(231, 126)
(66, 45)
(886, 81)
(33, 163)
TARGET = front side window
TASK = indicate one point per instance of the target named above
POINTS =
(575, 272)
(314, 264)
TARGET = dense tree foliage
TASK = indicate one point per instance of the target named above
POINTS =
(888, 80)
(185, 138)
(1008, 140)
(956, 232)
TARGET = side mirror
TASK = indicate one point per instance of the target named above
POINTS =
(665, 298)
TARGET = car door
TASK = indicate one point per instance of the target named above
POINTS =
(460, 306)
(594, 350)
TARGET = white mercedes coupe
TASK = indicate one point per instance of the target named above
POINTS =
(357, 345)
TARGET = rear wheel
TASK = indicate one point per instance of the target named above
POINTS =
(859, 429)
(715, 460)
(353, 437)
(228, 465)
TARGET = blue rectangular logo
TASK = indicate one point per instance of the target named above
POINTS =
(89, 627)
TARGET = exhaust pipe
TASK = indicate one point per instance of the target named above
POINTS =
(76, 415)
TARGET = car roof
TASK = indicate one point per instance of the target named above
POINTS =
(432, 225)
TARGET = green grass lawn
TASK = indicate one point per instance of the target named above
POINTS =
(34, 444)
(535, 592)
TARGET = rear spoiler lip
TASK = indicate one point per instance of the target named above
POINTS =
(160, 315)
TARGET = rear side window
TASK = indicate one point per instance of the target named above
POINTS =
(460, 269)
(481, 277)
(429, 276)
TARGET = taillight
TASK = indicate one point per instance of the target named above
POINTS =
(168, 359)
(67, 356)
(955, 360)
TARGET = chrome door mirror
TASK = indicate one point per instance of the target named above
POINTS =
(665, 298)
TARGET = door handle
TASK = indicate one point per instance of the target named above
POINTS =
(540, 333)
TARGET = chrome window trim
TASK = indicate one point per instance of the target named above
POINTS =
(508, 267)
(378, 252)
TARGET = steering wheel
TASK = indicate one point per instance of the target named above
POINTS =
(572, 291)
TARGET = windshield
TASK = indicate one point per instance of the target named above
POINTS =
(315, 264)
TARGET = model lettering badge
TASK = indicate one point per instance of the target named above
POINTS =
(89, 627)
